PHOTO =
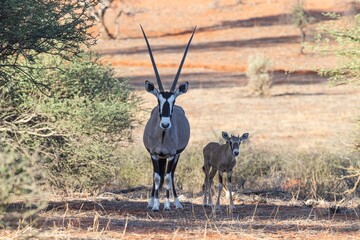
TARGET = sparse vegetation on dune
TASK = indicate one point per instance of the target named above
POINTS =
(259, 76)
(308, 174)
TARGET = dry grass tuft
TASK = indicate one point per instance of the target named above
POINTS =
(259, 78)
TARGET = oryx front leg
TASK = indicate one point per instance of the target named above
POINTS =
(168, 182)
(168, 177)
(154, 199)
(229, 175)
(167, 201)
(176, 199)
(220, 187)
(151, 201)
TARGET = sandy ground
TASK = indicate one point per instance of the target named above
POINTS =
(125, 216)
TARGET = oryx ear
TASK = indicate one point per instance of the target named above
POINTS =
(182, 89)
(225, 136)
(244, 136)
(151, 88)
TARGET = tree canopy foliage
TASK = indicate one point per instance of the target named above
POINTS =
(343, 40)
(37, 27)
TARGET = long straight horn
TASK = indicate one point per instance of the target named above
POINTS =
(153, 62)
(173, 86)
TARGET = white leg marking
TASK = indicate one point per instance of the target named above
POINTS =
(167, 204)
(157, 181)
(156, 206)
(167, 181)
(231, 200)
(229, 174)
(151, 202)
(177, 204)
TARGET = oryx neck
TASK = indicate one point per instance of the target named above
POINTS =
(163, 136)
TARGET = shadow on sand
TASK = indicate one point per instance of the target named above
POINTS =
(226, 79)
(116, 213)
(271, 20)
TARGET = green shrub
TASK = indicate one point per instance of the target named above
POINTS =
(20, 182)
(259, 79)
(38, 27)
(76, 120)
(343, 41)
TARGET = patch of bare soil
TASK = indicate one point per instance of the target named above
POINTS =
(126, 215)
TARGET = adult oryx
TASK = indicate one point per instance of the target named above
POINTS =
(166, 133)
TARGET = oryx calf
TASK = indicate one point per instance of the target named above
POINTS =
(220, 158)
(166, 133)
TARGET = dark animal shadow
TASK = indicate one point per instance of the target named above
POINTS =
(115, 214)
(231, 79)
(271, 20)
(207, 46)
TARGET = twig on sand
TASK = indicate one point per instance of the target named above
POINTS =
(125, 227)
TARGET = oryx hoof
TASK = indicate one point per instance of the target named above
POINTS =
(167, 205)
(178, 204)
(155, 209)
(206, 205)
(156, 206)
(151, 203)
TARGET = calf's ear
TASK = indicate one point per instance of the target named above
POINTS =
(244, 136)
(225, 136)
